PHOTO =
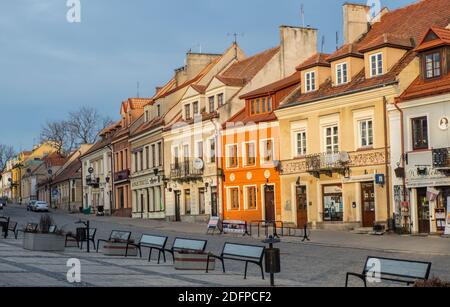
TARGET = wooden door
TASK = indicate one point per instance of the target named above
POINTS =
(302, 207)
(177, 206)
(423, 211)
(269, 197)
(368, 204)
(214, 211)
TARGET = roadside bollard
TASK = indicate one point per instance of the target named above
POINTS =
(272, 259)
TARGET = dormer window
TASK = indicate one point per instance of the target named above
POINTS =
(195, 108)
(146, 116)
(260, 105)
(220, 100)
(310, 84)
(433, 65)
(158, 110)
(376, 64)
(341, 73)
(211, 104)
(187, 111)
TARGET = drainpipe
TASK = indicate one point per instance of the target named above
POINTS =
(402, 131)
(386, 154)
(113, 191)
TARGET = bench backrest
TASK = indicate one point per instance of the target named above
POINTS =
(120, 235)
(31, 227)
(398, 268)
(12, 226)
(92, 232)
(152, 240)
(52, 229)
(189, 244)
(243, 250)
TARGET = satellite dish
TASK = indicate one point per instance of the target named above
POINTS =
(198, 164)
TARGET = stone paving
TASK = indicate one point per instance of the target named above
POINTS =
(321, 262)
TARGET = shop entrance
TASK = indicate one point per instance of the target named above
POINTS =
(214, 201)
(302, 206)
(333, 206)
(177, 206)
(368, 204)
(423, 211)
(269, 196)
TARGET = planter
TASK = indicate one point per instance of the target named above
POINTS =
(193, 261)
(43, 242)
(119, 249)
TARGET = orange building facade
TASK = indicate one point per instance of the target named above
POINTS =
(251, 153)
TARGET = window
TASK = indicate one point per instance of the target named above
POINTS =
(267, 150)
(146, 116)
(269, 104)
(341, 73)
(212, 150)
(433, 65)
(186, 153)
(211, 104)
(187, 202)
(332, 139)
(160, 154)
(153, 156)
(187, 111)
(232, 156)
(251, 197)
(252, 108)
(200, 150)
(300, 139)
(147, 158)
(376, 64)
(310, 84)
(365, 133)
(220, 100)
(158, 110)
(195, 107)
(420, 133)
(234, 198)
(263, 105)
(176, 156)
(250, 154)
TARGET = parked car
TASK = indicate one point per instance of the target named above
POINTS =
(30, 206)
(3, 202)
(41, 206)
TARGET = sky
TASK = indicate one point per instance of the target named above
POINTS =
(49, 67)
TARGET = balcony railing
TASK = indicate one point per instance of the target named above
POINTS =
(92, 181)
(326, 163)
(441, 158)
(185, 171)
(122, 175)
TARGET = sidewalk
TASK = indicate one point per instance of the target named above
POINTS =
(431, 245)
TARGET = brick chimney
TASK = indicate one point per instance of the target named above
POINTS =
(356, 21)
(297, 45)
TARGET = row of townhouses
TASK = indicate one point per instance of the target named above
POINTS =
(345, 140)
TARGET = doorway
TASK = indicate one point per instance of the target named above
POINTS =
(423, 211)
(368, 204)
(333, 206)
(269, 197)
(214, 202)
(201, 201)
(302, 207)
(177, 206)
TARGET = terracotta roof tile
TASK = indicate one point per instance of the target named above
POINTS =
(241, 72)
(318, 59)
(345, 51)
(423, 88)
(201, 89)
(443, 39)
(72, 171)
(276, 86)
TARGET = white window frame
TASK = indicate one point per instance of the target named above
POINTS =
(246, 203)
(262, 151)
(295, 142)
(340, 73)
(331, 126)
(210, 142)
(378, 67)
(359, 126)
(229, 208)
(227, 156)
(244, 154)
(188, 105)
(309, 85)
(197, 154)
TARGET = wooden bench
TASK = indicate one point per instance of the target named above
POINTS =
(182, 244)
(241, 252)
(395, 270)
(152, 242)
(116, 236)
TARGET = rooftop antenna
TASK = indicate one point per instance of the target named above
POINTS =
(302, 15)
(235, 42)
(337, 40)
(323, 44)
(138, 90)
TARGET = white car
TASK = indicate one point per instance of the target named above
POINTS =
(41, 206)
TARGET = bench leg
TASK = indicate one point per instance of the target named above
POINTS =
(159, 257)
(140, 251)
(93, 242)
(262, 272)
(150, 255)
(246, 267)
(223, 265)
(164, 256)
(98, 245)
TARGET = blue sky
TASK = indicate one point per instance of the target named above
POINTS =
(49, 66)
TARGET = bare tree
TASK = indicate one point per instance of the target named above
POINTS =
(60, 134)
(86, 123)
(6, 153)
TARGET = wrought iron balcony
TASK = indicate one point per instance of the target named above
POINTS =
(92, 181)
(185, 171)
(327, 163)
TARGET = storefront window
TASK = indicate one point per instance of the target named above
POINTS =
(333, 206)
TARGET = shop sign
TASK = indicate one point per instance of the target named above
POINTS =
(142, 183)
(334, 189)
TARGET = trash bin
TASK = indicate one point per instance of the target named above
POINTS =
(87, 211)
